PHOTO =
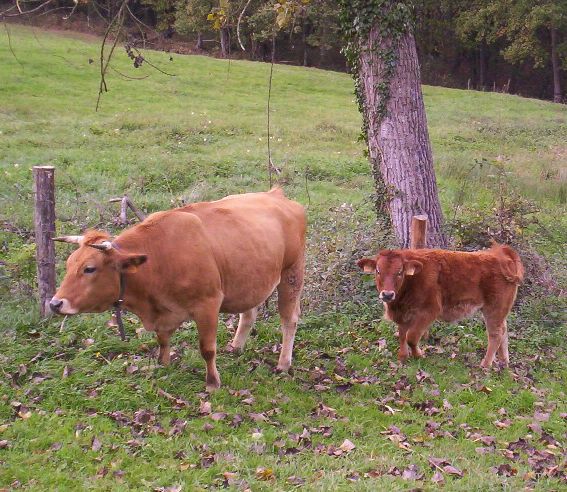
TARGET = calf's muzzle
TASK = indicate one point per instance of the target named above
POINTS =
(387, 295)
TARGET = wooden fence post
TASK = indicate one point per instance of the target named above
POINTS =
(44, 221)
(418, 235)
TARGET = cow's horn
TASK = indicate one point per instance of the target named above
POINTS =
(104, 246)
(69, 239)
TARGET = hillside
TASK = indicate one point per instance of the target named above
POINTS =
(201, 134)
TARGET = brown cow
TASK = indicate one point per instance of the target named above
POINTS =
(192, 263)
(421, 285)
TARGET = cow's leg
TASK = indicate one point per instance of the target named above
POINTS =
(245, 324)
(163, 337)
(207, 321)
(289, 293)
(495, 330)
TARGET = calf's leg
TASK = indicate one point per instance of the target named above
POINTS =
(410, 334)
(289, 293)
(413, 337)
(207, 321)
(245, 324)
(503, 354)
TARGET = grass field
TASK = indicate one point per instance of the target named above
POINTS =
(79, 409)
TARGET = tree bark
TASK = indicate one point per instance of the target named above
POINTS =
(199, 45)
(482, 66)
(224, 42)
(398, 143)
(44, 221)
(556, 67)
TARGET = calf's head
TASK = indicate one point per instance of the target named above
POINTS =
(92, 280)
(390, 269)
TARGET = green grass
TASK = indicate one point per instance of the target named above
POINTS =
(201, 135)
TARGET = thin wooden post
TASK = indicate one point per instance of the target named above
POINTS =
(44, 221)
(418, 235)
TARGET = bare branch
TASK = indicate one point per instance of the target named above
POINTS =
(238, 25)
(10, 45)
(127, 76)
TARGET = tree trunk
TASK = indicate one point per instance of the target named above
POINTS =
(398, 143)
(556, 67)
(199, 45)
(482, 66)
(224, 42)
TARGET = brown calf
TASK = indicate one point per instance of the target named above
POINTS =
(421, 286)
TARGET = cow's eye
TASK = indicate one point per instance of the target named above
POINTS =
(89, 269)
(377, 272)
(400, 273)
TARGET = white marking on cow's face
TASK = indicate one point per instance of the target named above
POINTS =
(66, 308)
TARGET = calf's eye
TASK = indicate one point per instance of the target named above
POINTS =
(89, 269)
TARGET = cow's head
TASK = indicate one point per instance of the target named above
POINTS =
(389, 268)
(92, 280)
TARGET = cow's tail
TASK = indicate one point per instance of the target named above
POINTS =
(510, 263)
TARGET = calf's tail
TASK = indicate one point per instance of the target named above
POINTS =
(510, 263)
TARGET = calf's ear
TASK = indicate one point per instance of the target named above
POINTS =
(413, 267)
(368, 265)
(130, 263)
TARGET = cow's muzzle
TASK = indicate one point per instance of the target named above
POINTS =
(62, 306)
(387, 295)
(55, 305)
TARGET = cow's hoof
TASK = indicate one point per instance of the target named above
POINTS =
(212, 387)
(283, 368)
(234, 350)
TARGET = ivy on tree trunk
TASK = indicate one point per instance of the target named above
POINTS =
(383, 57)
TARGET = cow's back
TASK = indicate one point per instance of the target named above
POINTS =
(253, 237)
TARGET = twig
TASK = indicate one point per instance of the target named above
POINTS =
(126, 202)
(270, 165)
(306, 187)
(76, 2)
(104, 66)
(21, 12)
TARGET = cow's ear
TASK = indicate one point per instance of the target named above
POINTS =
(368, 265)
(130, 263)
(413, 267)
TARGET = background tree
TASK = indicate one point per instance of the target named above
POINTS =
(382, 53)
(537, 31)
(191, 17)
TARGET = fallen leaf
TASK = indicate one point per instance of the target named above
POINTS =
(437, 477)
(293, 480)
(264, 473)
(96, 444)
(541, 416)
(205, 407)
(412, 472)
(504, 470)
(347, 446)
